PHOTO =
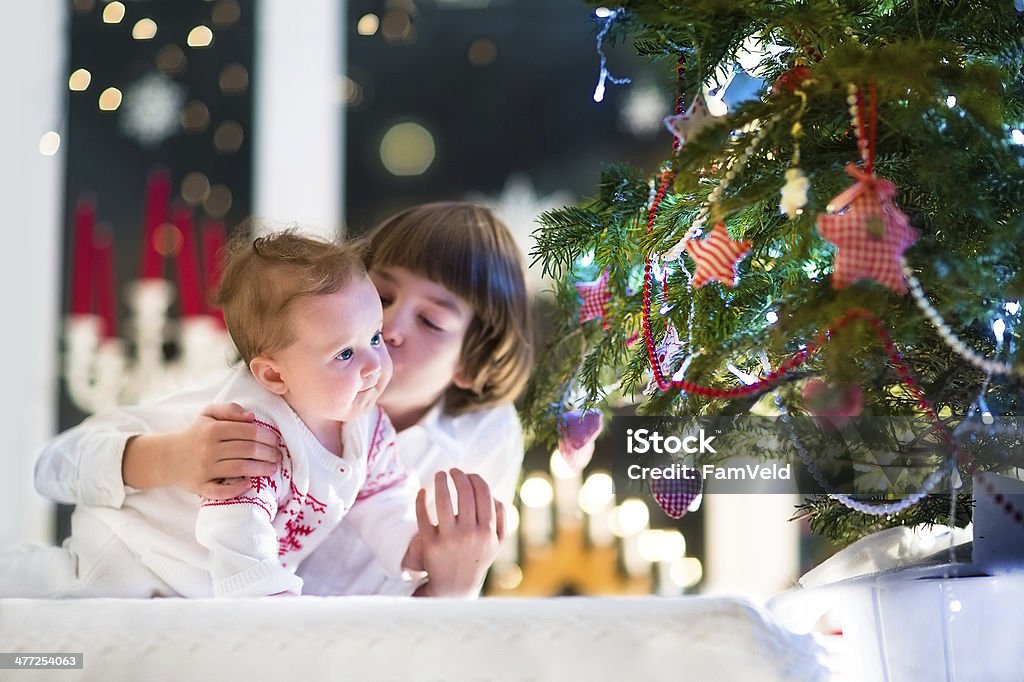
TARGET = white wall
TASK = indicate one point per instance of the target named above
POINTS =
(33, 53)
(299, 148)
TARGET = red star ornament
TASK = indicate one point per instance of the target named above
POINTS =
(871, 234)
(716, 257)
(687, 125)
(595, 297)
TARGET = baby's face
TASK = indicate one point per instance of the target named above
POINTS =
(338, 365)
(424, 326)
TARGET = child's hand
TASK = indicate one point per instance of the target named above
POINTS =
(413, 560)
(458, 551)
(215, 456)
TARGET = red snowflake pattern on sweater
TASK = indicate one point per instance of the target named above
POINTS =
(295, 529)
(383, 455)
(297, 507)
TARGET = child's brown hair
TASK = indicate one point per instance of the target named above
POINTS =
(467, 249)
(264, 277)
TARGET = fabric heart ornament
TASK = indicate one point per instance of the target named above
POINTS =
(832, 406)
(595, 297)
(675, 495)
(577, 432)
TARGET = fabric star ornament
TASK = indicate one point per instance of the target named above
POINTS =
(595, 297)
(577, 433)
(716, 257)
(676, 496)
(871, 233)
(665, 354)
(687, 125)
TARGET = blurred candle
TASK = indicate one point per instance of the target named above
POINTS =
(81, 258)
(213, 242)
(158, 190)
(508, 555)
(662, 548)
(536, 494)
(567, 489)
(188, 262)
(103, 277)
(597, 499)
(630, 520)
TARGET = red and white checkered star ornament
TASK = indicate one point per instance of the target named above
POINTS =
(595, 297)
(716, 257)
(871, 233)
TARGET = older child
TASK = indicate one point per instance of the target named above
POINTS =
(306, 321)
(457, 324)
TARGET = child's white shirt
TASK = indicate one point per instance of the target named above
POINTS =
(487, 442)
(252, 544)
(83, 465)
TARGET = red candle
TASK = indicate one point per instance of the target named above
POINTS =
(188, 262)
(81, 272)
(158, 191)
(103, 263)
(213, 243)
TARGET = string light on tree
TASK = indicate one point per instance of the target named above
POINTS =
(964, 233)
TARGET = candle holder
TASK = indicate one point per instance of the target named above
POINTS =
(159, 356)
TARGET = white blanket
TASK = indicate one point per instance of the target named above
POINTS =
(378, 638)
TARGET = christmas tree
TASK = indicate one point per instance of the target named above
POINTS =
(847, 243)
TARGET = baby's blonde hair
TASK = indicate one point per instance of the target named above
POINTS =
(264, 277)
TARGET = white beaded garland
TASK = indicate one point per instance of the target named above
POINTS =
(735, 166)
(881, 509)
(957, 345)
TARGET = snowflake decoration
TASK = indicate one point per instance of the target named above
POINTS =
(665, 354)
(641, 112)
(151, 110)
(518, 207)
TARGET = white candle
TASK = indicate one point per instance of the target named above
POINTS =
(597, 499)
(599, 530)
(567, 489)
(666, 586)
(536, 494)
(508, 555)
(636, 566)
